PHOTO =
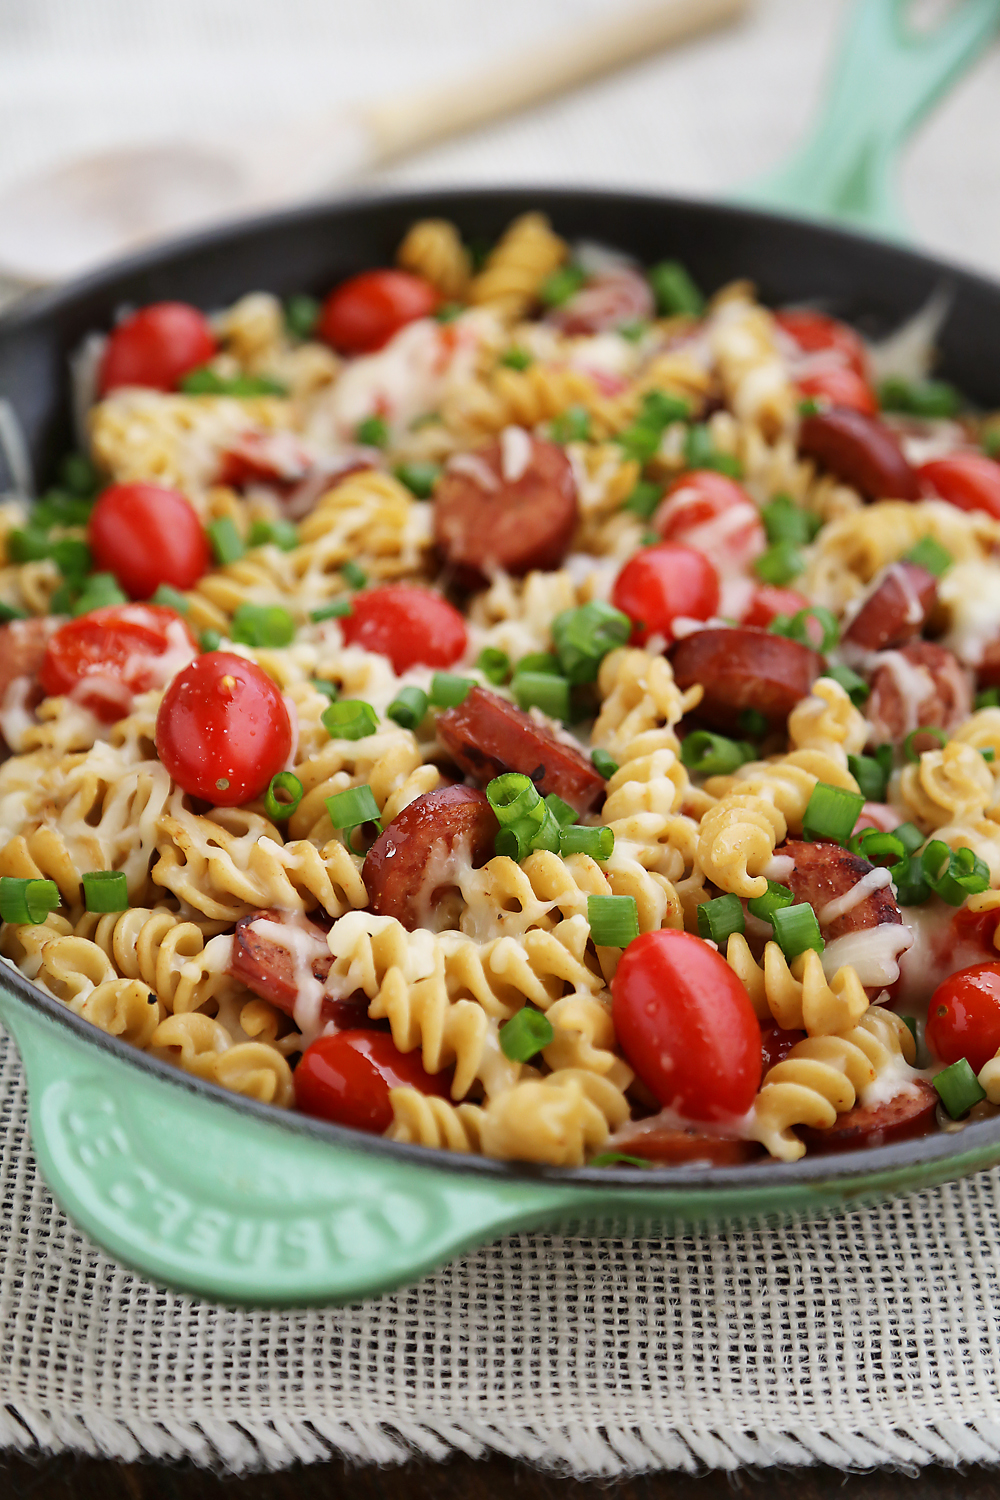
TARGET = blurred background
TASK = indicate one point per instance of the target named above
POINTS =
(86, 74)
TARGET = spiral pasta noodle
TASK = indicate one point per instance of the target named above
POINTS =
(516, 267)
(560, 1119)
(797, 996)
(950, 785)
(433, 249)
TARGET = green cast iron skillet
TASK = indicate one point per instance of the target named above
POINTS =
(242, 1202)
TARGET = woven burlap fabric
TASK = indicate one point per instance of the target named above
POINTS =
(866, 1339)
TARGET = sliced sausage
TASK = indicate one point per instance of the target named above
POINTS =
(741, 668)
(673, 1146)
(275, 970)
(409, 872)
(621, 295)
(988, 668)
(898, 606)
(861, 451)
(826, 872)
(486, 736)
(920, 684)
(22, 651)
(511, 505)
(910, 1113)
(775, 1045)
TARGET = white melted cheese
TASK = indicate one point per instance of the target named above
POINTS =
(305, 947)
(778, 868)
(873, 952)
(913, 683)
(15, 716)
(515, 454)
(474, 468)
(875, 880)
(970, 592)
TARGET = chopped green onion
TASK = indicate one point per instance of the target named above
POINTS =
(831, 813)
(614, 920)
(262, 625)
(642, 439)
(301, 315)
(27, 545)
(225, 539)
(539, 661)
(959, 1088)
(921, 398)
(854, 686)
(515, 840)
(408, 707)
(292, 792)
(8, 612)
(619, 1159)
(910, 1022)
(718, 919)
(799, 628)
(954, 874)
(990, 443)
(419, 478)
(449, 311)
(930, 555)
(326, 687)
(775, 897)
(560, 810)
(870, 776)
(208, 382)
(708, 754)
(524, 1035)
(350, 808)
(561, 285)
(700, 452)
(27, 901)
(373, 432)
(449, 690)
(58, 509)
(281, 533)
(71, 556)
(604, 764)
(908, 879)
(674, 290)
(988, 753)
(335, 610)
(779, 564)
(784, 521)
(349, 719)
(99, 591)
(633, 332)
(583, 637)
(599, 843)
(796, 929)
(494, 665)
(209, 640)
(78, 474)
(644, 499)
(650, 538)
(514, 797)
(876, 847)
(988, 698)
(753, 723)
(909, 836)
(571, 426)
(809, 407)
(105, 890)
(909, 744)
(354, 576)
(171, 598)
(516, 358)
(542, 690)
(549, 834)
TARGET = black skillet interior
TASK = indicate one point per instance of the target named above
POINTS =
(873, 284)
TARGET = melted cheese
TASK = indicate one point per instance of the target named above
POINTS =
(474, 468)
(515, 454)
(873, 952)
(875, 880)
(970, 592)
(302, 944)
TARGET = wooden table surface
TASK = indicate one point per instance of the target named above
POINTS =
(65, 1478)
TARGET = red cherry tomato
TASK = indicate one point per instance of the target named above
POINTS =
(963, 1018)
(146, 536)
(346, 1077)
(969, 480)
(686, 1025)
(662, 583)
(710, 512)
(362, 314)
(106, 656)
(815, 332)
(768, 602)
(410, 626)
(223, 730)
(156, 346)
(840, 385)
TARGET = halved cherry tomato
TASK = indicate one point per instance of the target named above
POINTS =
(410, 626)
(222, 730)
(145, 536)
(963, 1018)
(816, 332)
(840, 385)
(713, 514)
(969, 480)
(363, 313)
(687, 1026)
(768, 602)
(663, 583)
(156, 346)
(106, 656)
(346, 1078)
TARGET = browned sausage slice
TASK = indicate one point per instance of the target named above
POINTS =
(409, 872)
(742, 668)
(988, 669)
(22, 651)
(274, 969)
(897, 608)
(910, 1113)
(486, 736)
(826, 872)
(620, 295)
(920, 684)
(861, 451)
(510, 505)
(671, 1146)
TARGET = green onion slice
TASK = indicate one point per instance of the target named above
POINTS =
(604, 764)
(262, 625)
(774, 898)
(854, 686)
(571, 426)
(514, 797)
(954, 874)
(718, 919)
(373, 432)
(784, 521)
(326, 687)
(796, 928)
(583, 637)
(539, 661)
(419, 478)
(171, 598)
(560, 810)
(614, 920)
(644, 499)
(225, 539)
(988, 698)
(831, 813)
(753, 723)
(802, 629)
(779, 564)
(599, 843)
(301, 315)
(99, 591)
(524, 1035)
(909, 836)
(209, 640)
(105, 890)
(27, 901)
(408, 707)
(930, 555)
(448, 690)
(494, 665)
(354, 576)
(335, 610)
(350, 719)
(674, 290)
(619, 1159)
(869, 775)
(542, 690)
(876, 847)
(708, 754)
(959, 1088)
(908, 879)
(926, 731)
(291, 789)
(279, 533)
(350, 808)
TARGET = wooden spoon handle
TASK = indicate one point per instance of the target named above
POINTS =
(407, 123)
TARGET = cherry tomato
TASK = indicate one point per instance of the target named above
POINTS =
(815, 332)
(711, 513)
(775, 1044)
(156, 346)
(146, 536)
(963, 1018)
(768, 602)
(346, 1077)
(223, 730)
(106, 656)
(974, 928)
(362, 314)
(840, 385)
(687, 1026)
(969, 480)
(410, 626)
(662, 583)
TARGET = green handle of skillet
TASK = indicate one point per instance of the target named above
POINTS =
(886, 78)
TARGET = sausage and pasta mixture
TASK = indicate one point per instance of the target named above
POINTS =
(519, 706)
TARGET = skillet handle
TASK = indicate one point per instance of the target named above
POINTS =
(220, 1202)
(886, 78)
